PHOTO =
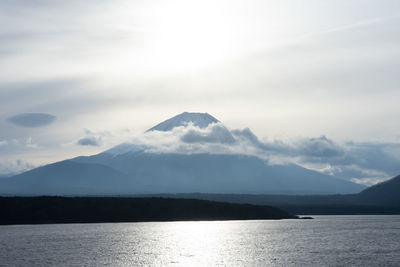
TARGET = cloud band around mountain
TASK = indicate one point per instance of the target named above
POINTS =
(362, 163)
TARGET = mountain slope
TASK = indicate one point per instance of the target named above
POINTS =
(385, 193)
(213, 173)
(68, 178)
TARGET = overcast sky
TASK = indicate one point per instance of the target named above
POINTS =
(78, 77)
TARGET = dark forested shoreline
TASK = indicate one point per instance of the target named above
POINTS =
(311, 204)
(39, 210)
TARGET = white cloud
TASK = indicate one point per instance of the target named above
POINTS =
(30, 143)
(9, 167)
(368, 181)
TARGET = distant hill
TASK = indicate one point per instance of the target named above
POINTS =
(386, 193)
(383, 198)
(383, 194)
(35, 210)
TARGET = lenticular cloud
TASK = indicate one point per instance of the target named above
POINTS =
(32, 119)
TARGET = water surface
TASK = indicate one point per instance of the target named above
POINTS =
(324, 241)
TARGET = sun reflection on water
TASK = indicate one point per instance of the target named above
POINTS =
(192, 243)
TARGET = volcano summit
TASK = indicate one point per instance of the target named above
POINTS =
(201, 120)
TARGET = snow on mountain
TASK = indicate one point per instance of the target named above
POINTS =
(201, 120)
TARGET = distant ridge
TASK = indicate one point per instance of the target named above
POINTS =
(382, 198)
(201, 120)
(385, 193)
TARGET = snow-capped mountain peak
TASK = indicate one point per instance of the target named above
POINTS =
(201, 120)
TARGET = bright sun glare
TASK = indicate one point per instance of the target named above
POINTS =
(189, 36)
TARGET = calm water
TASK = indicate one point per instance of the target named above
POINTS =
(325, 241)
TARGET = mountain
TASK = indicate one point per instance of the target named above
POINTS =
(213, 173)
(201, 120)
(135, 168)
(385, 193)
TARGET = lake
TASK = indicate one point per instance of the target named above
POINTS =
(324, 241)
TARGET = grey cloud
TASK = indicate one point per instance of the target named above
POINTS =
(89, 141)
(32, 119)
(248, 136)
(360, 162)
(93, 138)
(374, 156)
(380, 156)
(321, 147)
(12, 167)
